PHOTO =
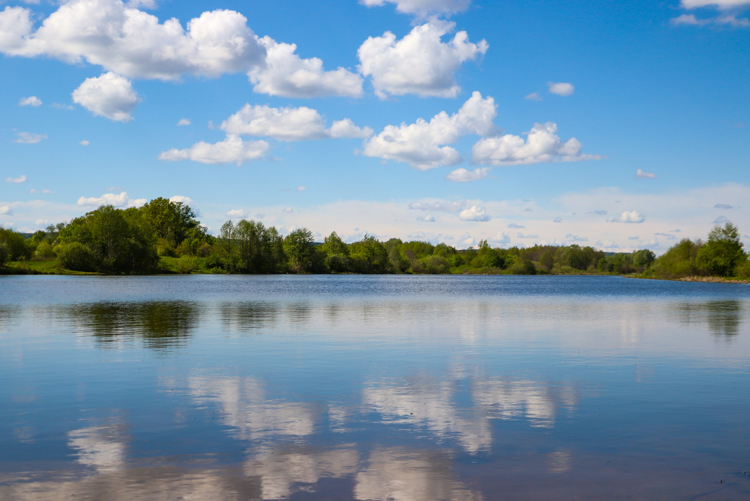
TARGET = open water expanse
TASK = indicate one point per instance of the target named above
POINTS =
(404, 388)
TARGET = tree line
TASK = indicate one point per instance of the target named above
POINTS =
(165, 236)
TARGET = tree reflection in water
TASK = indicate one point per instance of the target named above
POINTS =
(160, 324)
(723, 318)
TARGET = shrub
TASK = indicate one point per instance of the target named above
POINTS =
(77, 257)
(187, 264)
(4, 253)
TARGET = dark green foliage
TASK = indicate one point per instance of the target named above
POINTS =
(16, 244)
(78, 257)
(522, 266)
(248, 247)
(723, 251)
(298, 246)
(4, 253)
(120, 240)
(170, 221)
(369, 256)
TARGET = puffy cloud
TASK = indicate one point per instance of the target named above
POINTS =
(421, 144)
(84, 143)
(30, 101)
(645, 175)
(606, 244)
(5, 210)
(420, 63)
(629, 217)
(288, 124)
(232, 149)
(181, 199)
(463, 175)
(439, 206)
(542, 145)
(115, 199)
(286, 74)
(29, 138)
(474, 213)
(575, 238)
(423, 7)
(723, 206)
(721, 4)
(726, 19)
(300, 188)
(62, 106)
(516, 226)
(19, 179)
(500, 239)
(427, 218)
(561, 88)
(183, 122)
(530, 235)
(108, 95)
(289, 209)
(237, 214)
(534, 97)
(133, 43)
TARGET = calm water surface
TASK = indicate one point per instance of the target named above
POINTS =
(373, 388)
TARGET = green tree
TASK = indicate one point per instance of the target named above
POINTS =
(723, 251)
(369, 256)
(298, 246)
(171, 221)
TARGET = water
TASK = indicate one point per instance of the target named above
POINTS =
(356, 387)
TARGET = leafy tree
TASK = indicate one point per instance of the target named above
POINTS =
(171, 221)
(369, 256)
(16, 245)
(334, 245)
(643, 257)
(679, 261)
(77, 256)
(298, 246)
(4, 253)
(723, 251)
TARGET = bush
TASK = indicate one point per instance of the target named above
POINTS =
(187, 264)
(77, 257)
(4, 253)
(743, 269)
(523, 267)
(44, 251)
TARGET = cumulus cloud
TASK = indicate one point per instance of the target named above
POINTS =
(534, 97)
(423, 7)
(560, 88)
(515, 226)
(29, 138)
(289, 209)
(500, 239)
(84, 143)
(62, 106)
(645, 175)
(439, 206)
(606, 244)
(575, 238)
(108, 95)
(629, 217)
(721, 4)
(474, 213)
(181, 199)
(422, 144)
(542, 145)
(115, 199)
(30, 101)
(237, 214)
(723, 206)
(183, 122)
(5, 210)
(427, 218)
(727, 18)
(286, 74)
(300, 188)
(19, 179)
(530, 235)
(130, 42)
(420, 63)
(288, 124)
(231, 150)
(464, 175)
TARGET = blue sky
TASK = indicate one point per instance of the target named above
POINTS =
(408, 118)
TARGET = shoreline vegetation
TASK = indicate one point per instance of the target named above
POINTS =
(164, 237)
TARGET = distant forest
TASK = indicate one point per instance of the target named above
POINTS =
(165, 237)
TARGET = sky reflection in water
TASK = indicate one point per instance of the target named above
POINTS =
(404, 388)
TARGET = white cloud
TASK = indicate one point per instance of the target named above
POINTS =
(723, 206)
(557, 220)
(30, 101)
(420, 63)
(237, 214)
(561, 88)
(117, 200)
(183, 122)
(427, 218)
(19, 179)
(300, 188)
(29, 138)
(720, 220)
(575, 238)
(534, 97)
(231, 150)
(439, 206)
(666, 235)
(688, 20)
(530, 235)
(133, 43)
(423, 7)
(542, 145)
(645, 175)
(721, 4)
(629, 217)
(181, 199)
(288, 124)
(463, 175)
(516, 226)
(108, 95)
(6, 211)
(500, 239)
(606, 244)
(84, 143)
(289, 209)
(421, 144)
(286, 74)
(62, 106)
(474, 213)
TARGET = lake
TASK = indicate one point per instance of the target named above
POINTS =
(407, 388)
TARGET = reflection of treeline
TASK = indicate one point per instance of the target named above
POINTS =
(166, 236)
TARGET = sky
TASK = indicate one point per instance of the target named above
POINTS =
(619, 125)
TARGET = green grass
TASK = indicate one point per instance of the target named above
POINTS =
(39, 268)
